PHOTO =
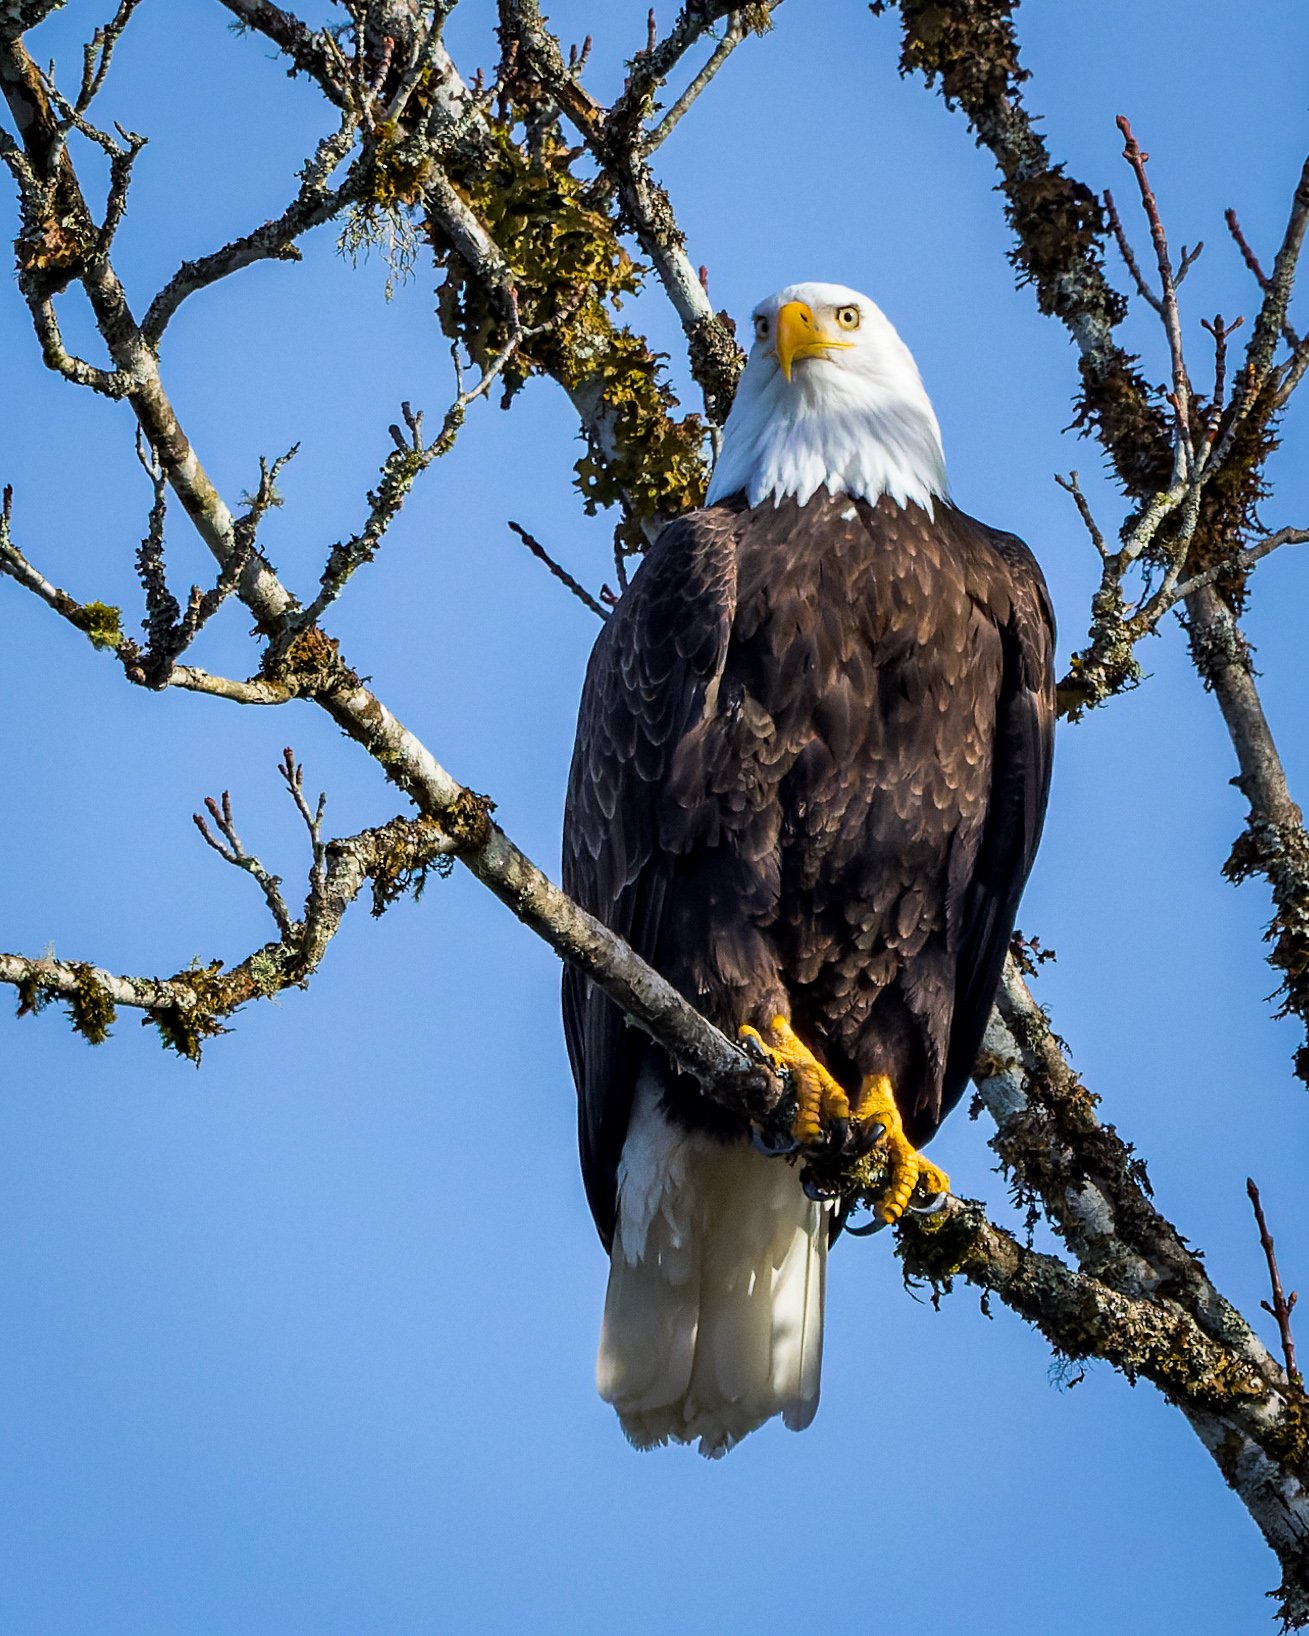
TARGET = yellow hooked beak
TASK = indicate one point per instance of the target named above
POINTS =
(798, 336)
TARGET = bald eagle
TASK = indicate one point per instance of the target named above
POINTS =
(811, 768)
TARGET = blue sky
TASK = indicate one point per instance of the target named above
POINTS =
(303, 1341)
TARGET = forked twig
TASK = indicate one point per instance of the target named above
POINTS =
(293, 776)
(232, 851)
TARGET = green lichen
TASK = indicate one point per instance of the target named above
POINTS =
(90, 1007)
(409, 850)
(103, 625)
(33, 996)
(308, 662)
(571, 273)
(266, 971)
(370, 226)
(383, 218)
(1280, 853)
(656, 466)
(935, 1250)
(185, 1028)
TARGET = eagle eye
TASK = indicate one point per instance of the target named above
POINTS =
(848, 317)
(760, 327)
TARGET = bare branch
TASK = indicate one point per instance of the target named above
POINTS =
(401, 469)
(561, 574)
(1071, 486)
(1128, 254)
(293, 776)
(97, 55)
(232, 851)
(722, 51)
(1282, 1306)
(1166, 305)
(315, 203)
(616, 140)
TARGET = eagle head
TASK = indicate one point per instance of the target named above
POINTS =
(830, 398)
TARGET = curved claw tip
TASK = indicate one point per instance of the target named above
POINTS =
(933, 1207)
(770, 1148)
(874, 1225)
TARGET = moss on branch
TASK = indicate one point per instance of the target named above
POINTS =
(571, 273)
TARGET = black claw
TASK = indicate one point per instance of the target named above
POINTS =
(866, 1137)
(874, 1224)
(773, 1144)
(758, 1050)
(814, 1189)
(837, 1135)
(934, 1205)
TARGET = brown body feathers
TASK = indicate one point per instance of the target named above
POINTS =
(812, 760)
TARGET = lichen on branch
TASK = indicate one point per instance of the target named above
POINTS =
(571, 273)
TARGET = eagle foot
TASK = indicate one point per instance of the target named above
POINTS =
(822, 1109)
(909, 1181)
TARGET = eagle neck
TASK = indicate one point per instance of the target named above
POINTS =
(865, 438)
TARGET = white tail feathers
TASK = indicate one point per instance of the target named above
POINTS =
(713, 1319)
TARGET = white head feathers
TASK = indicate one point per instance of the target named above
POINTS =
(831, 397)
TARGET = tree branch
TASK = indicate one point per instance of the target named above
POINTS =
(972, 54)
(616, 138)
(314, 204)
(561, 574)
(1281, 1307)
(191, 1006)
(732, 38)
(1139, 1298)
(974, 59)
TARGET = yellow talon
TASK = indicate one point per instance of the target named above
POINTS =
(819, 1099)
(906, 1167)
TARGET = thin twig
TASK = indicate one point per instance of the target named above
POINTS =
(1220, 332)
(293, 776)
(1127, 253)
(401, 469)
(1070, 485)
(722, 51)
(1282, 1305)
(560, 573)
(98, 53)
(1167, 304)
(1261, 278)
(231, 850)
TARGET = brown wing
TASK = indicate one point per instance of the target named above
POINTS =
(649, 676)
(1020, 783)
